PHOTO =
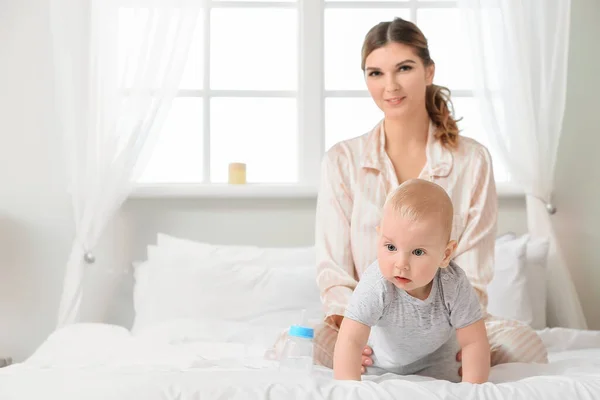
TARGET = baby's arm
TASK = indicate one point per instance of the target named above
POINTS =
(347, 355)
(475, 347)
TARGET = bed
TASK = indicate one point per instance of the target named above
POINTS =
(207, 316)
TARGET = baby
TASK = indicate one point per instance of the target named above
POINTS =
(414, 306)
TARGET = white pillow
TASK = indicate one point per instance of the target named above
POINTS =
(518, 289)
(537, 282)
(253, 287)
(506, 237)
(507, 292)
(271, 257)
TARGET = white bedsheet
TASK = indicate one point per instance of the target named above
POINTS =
(103, 362)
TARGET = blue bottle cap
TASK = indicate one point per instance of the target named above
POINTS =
(301, 331)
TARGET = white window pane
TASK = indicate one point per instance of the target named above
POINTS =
(363, 1)
(139, 25)
(193, 73)
(253, 49)
(346, 118)
(133, 28)
(260, 132)
(345, 31)
(471, 126)
(449, 47)
(177, 155)
(262, 1)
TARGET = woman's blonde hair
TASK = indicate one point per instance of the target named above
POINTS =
(437, 98)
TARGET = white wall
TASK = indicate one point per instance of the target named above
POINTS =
(35, 225)
(277, 222)
(578, 169)
(35, 222)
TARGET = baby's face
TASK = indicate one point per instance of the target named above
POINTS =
(410, 252)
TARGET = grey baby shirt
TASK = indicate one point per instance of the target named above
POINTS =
(412, 336)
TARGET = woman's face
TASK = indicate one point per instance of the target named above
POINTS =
(397, 80)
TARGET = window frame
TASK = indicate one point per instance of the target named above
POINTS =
(310, 101)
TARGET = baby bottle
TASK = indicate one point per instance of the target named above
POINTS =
(297, 354)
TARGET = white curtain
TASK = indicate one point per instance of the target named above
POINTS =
(519, 53)
(118, 65)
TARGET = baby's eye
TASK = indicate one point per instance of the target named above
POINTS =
(390, 247)
(419, 252)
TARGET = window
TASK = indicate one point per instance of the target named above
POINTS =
(274, 84)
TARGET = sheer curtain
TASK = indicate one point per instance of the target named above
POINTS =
(118, 65)
(520, 51)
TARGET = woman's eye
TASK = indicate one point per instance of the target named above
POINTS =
(374, 73)
(405, 68)
(419, 252)
(390, 247)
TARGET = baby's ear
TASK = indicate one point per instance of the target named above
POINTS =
(450, 248)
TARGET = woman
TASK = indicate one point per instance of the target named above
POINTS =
(418, 138)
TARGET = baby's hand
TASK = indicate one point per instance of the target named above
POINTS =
(475, 353)
(367, 361)
(348, 361)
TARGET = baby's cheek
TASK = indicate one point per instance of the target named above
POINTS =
(381, 257)
(385, 266)
(427, 274)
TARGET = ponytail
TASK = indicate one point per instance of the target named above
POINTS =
(437, 101)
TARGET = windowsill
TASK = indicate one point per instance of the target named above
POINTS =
(258, 191)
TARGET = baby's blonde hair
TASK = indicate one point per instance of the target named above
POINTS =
(416, 199)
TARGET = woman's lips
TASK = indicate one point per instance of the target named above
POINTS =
(394, 101)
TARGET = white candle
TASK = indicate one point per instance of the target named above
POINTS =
(237, 173)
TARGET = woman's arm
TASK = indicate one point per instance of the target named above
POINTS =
(347, 355)
(475, 352)
(335, 265)
(475, 250)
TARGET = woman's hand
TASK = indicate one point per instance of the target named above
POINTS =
(459, 359)
(367, 361)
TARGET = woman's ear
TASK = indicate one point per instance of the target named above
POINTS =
(430, 73)
(450, 248)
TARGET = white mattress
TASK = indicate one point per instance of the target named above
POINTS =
(119, 367)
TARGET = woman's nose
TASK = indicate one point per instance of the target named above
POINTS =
(392, 85)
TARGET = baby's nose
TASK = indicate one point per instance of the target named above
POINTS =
(401, 263)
